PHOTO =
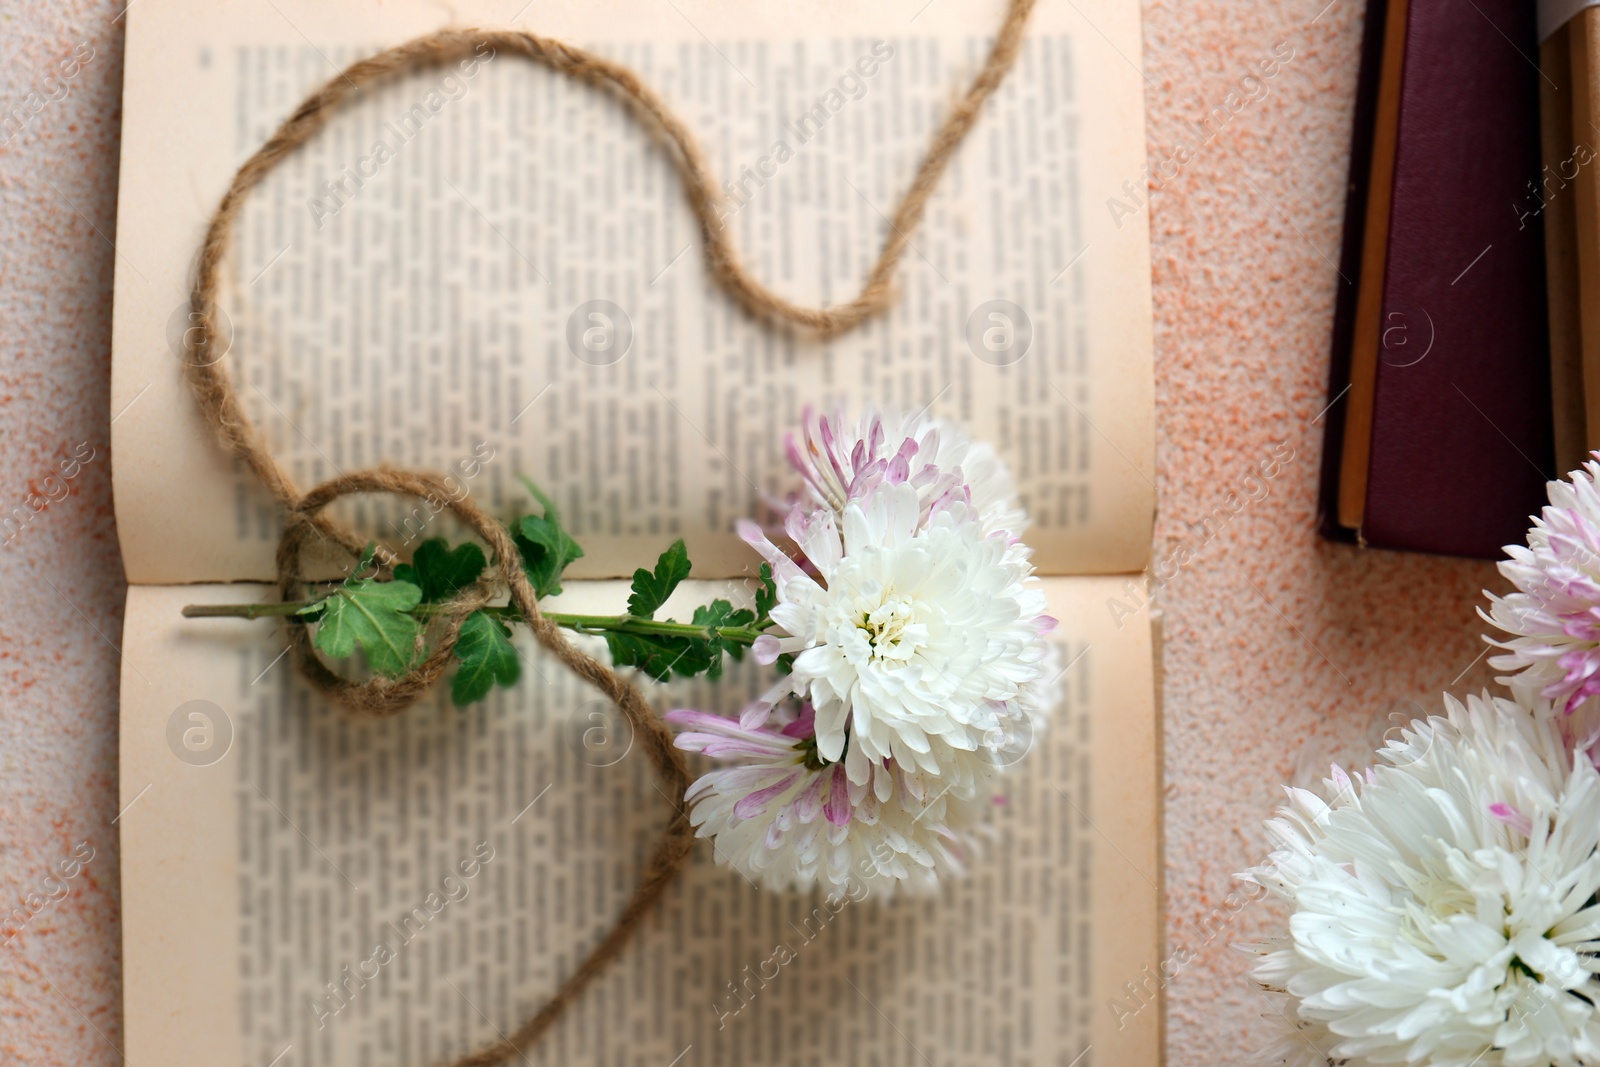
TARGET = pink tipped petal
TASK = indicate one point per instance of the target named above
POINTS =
(804, 726)
(805, 468)
(766, 649)
(796, 522)
(750, 534)
(754, 744)
(808, 805)
(702, 719)
(755, 714)
(1513, 818)
(755, 803)
(830, 449)
(825, 432)
(837, 808)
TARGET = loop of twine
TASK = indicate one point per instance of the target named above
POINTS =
(306, 522)
(386, 696)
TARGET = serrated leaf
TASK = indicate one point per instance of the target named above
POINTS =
(721, 614)
(545, 547)
(546, 550)
(766, 594)
(374, 615)
(440, 571)
(635, 650)
(487, 656)
(659, 656)
(710, 615)
(694, 657)
(651, 589)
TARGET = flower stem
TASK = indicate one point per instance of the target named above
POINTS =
(589, 624)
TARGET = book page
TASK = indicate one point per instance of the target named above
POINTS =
(304, 888)
(494, 269)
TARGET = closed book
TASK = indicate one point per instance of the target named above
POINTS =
(1455, 384)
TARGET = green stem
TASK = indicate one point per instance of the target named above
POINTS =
(590, 624)
(739, 635)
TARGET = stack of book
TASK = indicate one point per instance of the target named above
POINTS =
(1441, 430)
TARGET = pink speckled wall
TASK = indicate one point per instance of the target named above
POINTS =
(1282, 652)
(61, 587)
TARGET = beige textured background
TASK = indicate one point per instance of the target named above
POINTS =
(1282, 652)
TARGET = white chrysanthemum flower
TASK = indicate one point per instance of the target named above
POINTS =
(843, 461)
(913, 628)
(783, 817)
(1555, 614)
(1296, 1042)
(1443, 907)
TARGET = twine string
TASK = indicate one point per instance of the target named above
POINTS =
(307, 524)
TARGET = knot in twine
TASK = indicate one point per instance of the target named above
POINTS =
(306, 523)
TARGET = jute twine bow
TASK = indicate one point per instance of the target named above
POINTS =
(306, 523)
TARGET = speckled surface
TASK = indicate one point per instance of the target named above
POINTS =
(1282, 652)
(61, 577)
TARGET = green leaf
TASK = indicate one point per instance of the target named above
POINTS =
(659, 656)
(440, 571)
(546, 551)
(487, 656)
(721, 614)
(650, 591)
(374, 615)
(766, 594)
(546, 548)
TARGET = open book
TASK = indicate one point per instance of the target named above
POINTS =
(490, 272)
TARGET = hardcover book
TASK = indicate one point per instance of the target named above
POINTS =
(1440, 434)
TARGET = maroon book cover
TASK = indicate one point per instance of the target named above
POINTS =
(1462, 437)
